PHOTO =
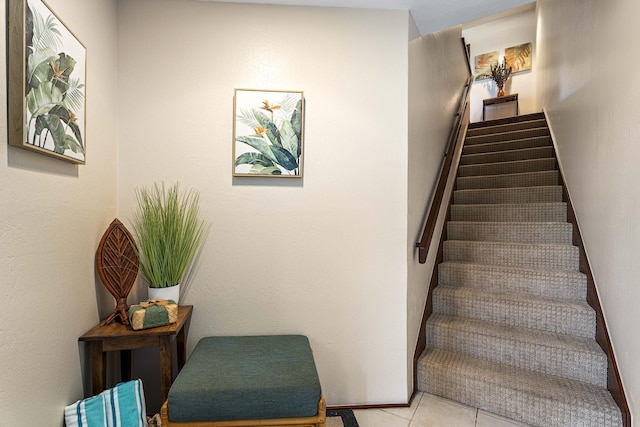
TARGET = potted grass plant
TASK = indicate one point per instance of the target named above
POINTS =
(169, 231)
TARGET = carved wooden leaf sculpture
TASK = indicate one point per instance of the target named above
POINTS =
(117, 265)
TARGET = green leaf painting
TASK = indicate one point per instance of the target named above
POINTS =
(268, 133)
(54, 84)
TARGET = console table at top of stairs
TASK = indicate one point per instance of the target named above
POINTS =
(500, 107)
(118, 337)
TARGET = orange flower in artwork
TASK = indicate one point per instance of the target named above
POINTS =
(270, 108)
(57, 72)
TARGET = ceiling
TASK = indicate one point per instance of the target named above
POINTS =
(429, 15)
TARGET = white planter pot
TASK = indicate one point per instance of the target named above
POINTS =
(172, 293)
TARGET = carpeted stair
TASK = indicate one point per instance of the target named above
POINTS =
(511, 331)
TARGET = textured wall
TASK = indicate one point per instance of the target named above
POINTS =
(591, 97)
(52, 215)
(324, 256)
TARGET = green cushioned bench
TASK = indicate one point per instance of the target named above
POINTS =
(245, 381)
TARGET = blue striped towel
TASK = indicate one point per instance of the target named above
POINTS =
(120, 406)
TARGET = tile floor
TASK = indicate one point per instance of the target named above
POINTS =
(431, 411)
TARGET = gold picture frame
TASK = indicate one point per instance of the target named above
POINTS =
(268, 133)
(483, 63)
(46, 82)
(519, 57)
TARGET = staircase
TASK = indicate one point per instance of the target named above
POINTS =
(510, 330)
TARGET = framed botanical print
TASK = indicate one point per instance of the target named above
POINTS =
(268, 133)
(519, 57)
(483, 63)
(47, 82)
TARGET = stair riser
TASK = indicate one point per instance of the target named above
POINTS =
(559, 233)
(507, 156)
(506, 136)
(487, 130)
(556, 212)
(569, 362)
(504, 398)
(559, 318)
(535, 165)
(539, 283)
(518, 144)
(509, 195)
(533, 179)
(551, 257)
(505, 121)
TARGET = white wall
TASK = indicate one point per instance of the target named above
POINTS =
(592, 102)
(52, 215)
(323, 256)
(437, 74)
(512, 30)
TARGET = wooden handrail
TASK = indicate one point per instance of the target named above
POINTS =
(455, 139)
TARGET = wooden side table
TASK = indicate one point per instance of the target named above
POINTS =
(498, 108)
(117, 337)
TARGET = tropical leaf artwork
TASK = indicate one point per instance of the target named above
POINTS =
(519, 57)
(483, 63)
(268, 133)
(54, 84)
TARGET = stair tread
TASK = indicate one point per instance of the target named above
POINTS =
(511, 204)
(511, 223)
(508, 141)
(554, 353)
(539, 159)
(507, 135)
(505, 385)
(533, 124)
(479, 207)
(508, 167)
(523, 118)
(563, 284)
(537, 194)
(528, 149)
(509, 212)
(508, 180)
(511, 175)
(514, 244)
(513, 269)
(571, 317)
(553, 256)
(507, 189)
(538, 128)
(537, 336)
(511, 297)
(505, 143)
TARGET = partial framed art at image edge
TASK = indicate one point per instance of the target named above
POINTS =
(268, 133)
(46, 82)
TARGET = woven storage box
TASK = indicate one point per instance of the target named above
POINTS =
(153, 313)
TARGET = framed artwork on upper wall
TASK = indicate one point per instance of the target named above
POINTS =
(268, 133)
(46, 82)
(483, 63)
(519, 57)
